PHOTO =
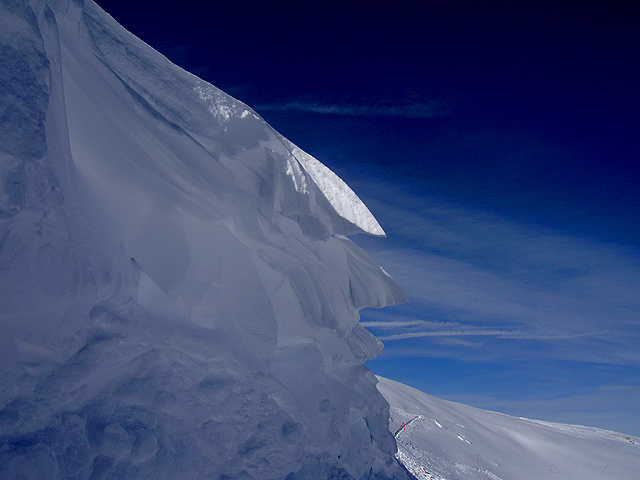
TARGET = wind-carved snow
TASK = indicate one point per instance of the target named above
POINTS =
(300, 164)
(340, 196)
(443, 440)
(178, 295)
(297, 176)
(218, 104)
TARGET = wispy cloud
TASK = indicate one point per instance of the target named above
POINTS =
(484, 276)
(404, 329)
(446, 333)
(393, 324)
(411, 110)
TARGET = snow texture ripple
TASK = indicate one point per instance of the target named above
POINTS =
(178, 296)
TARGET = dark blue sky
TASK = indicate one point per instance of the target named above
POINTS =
(498, 147)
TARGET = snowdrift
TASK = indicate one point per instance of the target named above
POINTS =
(178, 298)
(440, 440)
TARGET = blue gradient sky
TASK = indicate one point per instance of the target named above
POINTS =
(497, 146)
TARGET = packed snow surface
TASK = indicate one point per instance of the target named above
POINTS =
(441, 440)
(178, 298)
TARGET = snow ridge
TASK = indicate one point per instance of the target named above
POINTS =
(178, 297)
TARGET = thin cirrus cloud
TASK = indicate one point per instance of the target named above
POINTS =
(412, 110)
(484, 276)
(403, 329)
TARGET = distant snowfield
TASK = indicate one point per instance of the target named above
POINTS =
(441, 440)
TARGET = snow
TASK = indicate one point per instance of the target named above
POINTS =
(340, 196)
(179, 298)
(445, 441)
(178, 295)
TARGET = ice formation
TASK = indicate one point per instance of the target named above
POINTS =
(178, 299)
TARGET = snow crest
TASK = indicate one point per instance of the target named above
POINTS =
(178, 297)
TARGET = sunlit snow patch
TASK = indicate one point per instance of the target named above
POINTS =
(339, 194)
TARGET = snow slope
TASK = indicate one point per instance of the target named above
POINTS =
(443, 440)
(177, 295)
